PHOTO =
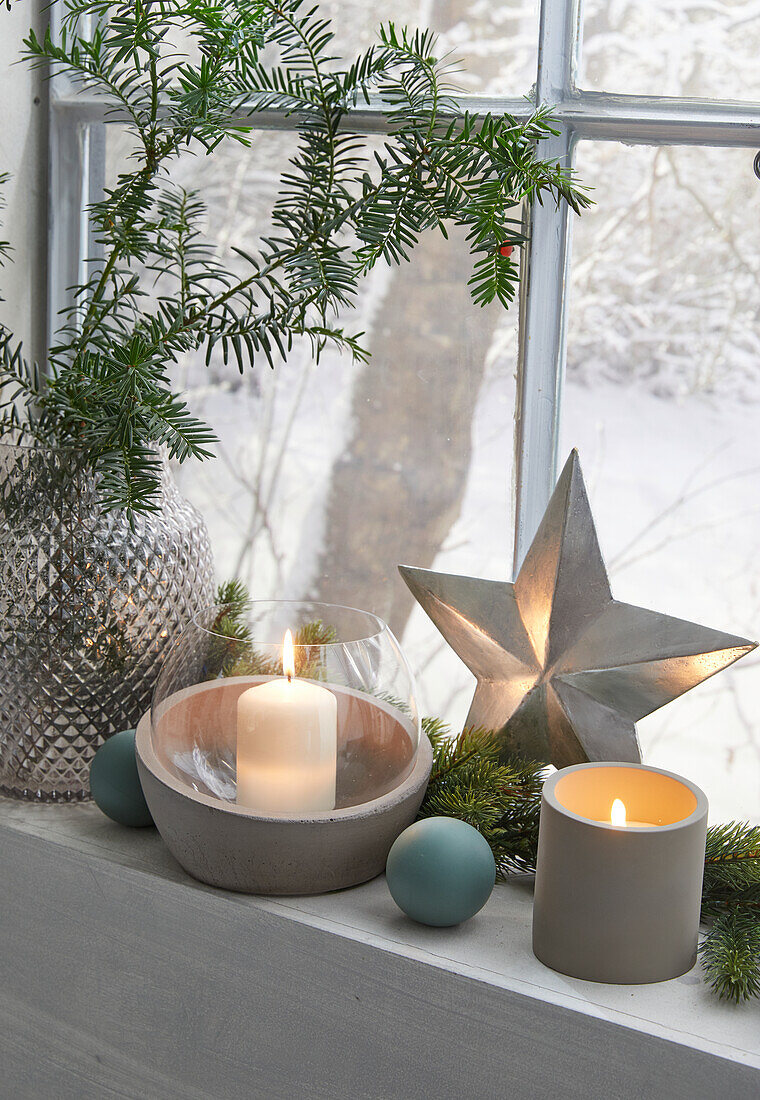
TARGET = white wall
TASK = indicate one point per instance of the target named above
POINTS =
(23, 153)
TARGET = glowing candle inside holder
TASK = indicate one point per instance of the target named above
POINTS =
(287, 744)
(617, 898)
(619, 817)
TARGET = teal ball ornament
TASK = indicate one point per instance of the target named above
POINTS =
(115, 784)
(440, 871)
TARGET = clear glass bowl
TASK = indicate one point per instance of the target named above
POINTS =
(341, 730)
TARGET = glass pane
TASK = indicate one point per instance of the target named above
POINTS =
(687, 48)
(495, 40)
(328, 476)
(663, 400)
(493, 43)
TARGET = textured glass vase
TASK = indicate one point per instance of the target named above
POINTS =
(88, 608)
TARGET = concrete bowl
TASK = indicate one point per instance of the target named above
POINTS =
(231, 847)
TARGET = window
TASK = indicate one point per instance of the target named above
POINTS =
(638, 341)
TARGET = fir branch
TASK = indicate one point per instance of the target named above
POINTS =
(438, 167)
(730, 954)
(21, 389)
(732, 858)
(230, 625)
(233, 597)
(470, 780)
(307, 643)
(242, 656)
(730, 949)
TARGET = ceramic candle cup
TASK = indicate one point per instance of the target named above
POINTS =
(619, 903)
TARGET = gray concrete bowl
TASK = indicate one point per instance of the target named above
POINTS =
(231, 847)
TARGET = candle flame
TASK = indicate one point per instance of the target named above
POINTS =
(617, 813)
(288, 656)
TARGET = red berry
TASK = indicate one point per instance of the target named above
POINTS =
(506, 249)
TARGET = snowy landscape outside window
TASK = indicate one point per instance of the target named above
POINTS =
(637, 340)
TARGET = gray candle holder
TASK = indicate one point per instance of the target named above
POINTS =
(188, 751)
(234, 848)
(619, 904)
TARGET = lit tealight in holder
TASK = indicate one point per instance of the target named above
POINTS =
(619, 876)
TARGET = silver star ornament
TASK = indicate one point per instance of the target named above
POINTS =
(563, 670)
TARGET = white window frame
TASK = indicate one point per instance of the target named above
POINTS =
(77, 172)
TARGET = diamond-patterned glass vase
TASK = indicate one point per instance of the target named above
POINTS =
(88, 607)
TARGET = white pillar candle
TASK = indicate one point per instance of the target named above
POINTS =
(287, 744)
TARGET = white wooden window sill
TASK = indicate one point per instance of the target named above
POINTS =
(120, 976)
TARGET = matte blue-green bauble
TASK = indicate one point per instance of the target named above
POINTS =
(115, 784)
(440, 871)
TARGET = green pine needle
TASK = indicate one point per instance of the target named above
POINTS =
(241, 657)
(472, 781)
(730, 954)
(730, 949)
(159, 292)
(732, 858)
(233, 597)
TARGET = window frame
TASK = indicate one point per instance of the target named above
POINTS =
(77, 174)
